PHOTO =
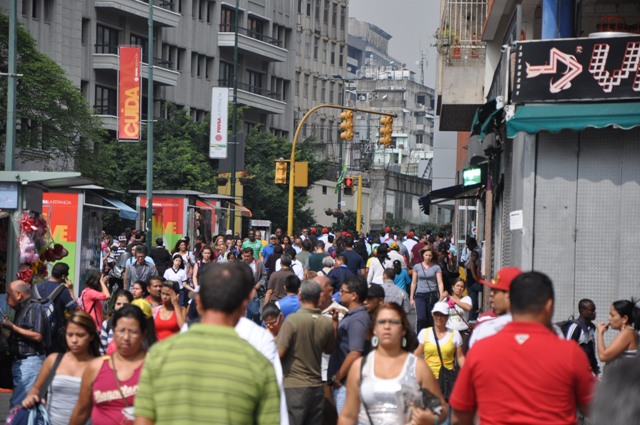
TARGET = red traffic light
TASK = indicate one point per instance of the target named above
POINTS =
(348, 182)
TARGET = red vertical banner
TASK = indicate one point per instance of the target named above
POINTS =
(129, 93)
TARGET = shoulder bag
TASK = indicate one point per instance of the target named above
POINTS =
(127, 412)
(447, 377)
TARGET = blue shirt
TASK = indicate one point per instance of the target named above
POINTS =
(352, 331)
(402, 279)
(354, 261)
(266, 252)
(289, 304)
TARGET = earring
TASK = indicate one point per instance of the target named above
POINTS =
(374, 341)
(404, 342)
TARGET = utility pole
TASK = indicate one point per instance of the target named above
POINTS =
(234, 122)
(149, 214)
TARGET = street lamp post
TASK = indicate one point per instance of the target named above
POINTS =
(340, 147)
(149, 214)
(234, 121)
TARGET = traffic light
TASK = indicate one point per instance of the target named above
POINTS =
(386, 130)
(281, 172)
(348, 186)
(346, 125)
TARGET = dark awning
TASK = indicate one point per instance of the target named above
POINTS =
(124, 210)
(455, 192)
(487, 119)
(557, 117)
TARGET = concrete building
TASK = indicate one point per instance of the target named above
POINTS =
(561, 148)
(368, 47)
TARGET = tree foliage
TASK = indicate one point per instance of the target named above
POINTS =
(267, 200)
(180, 157)
(52, 115)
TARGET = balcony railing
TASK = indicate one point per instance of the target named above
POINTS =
(250, 88)
(165, 4)
(252, 34)
(105, 109)
(112, 49)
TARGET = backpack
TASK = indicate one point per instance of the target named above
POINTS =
(565, 325)
(49, 309)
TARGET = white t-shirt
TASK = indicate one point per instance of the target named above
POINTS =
(454, 321)
(428, 336)
(296, 267)
(180, 276)
(489, 328)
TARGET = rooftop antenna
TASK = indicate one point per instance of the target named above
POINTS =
(422, 64)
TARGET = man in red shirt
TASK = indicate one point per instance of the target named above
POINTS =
(524, 374)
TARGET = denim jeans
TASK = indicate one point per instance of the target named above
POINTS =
(474, 290)
(253, 310)
(340, 397)
(424, 303)
(25, 372)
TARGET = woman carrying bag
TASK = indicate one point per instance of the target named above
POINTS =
(441, 349)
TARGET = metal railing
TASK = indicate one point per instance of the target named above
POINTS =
(460, 30)
(250, 88)
(105, 109)
(112, 49)
(164, 4)
(250, 33)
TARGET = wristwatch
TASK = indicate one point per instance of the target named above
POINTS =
(335, 381)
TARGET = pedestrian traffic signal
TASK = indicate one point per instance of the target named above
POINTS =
(346, 125)
(281, 172)
(386, 130)
(348, 186)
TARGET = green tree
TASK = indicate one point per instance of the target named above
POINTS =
(52, 115)
(267, 200)
(180, 157)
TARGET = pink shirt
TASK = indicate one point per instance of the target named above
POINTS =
(92, 303)
(107, 400)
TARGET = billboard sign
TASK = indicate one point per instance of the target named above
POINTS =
(129, 93)
(218, 138)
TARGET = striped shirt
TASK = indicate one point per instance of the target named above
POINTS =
(208, 375)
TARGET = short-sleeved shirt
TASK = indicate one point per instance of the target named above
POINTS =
(354, 261)
(289, 304)
(427, 278)
(179, 276)
(338, 275)
(315, 261)
(92, 304)
(304, 336)
(208, 374)
(255, 245)
(455, 321)
(62, 302)
(524, 375)
(351, 337)
(277, 282)
(30, 316)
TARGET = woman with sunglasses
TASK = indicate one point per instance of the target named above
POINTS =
(374, 389)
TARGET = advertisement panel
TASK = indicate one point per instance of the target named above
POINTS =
(61, 211)
(577, 69)
(129, 86)
(168, 219)
(219, 122)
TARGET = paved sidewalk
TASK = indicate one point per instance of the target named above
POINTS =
(4, 405)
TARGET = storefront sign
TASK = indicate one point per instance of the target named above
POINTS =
(219, 122)
(168, 219)
(129, 86)
(61, 211)
(577, 69)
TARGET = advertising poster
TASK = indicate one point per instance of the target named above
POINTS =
(168, 219)
(61, 211)
(129, 96)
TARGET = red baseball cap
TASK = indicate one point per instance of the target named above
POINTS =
(325, 230)
(387, 229)
(314, 230)
(502, 280)
(410, 235)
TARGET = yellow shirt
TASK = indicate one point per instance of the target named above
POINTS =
(430, 353)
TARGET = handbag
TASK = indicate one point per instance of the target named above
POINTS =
(447, 377)
(37, 415)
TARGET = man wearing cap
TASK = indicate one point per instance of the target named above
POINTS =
(524, 374)
(324, 237)
(410, 241)
(268, 250)
(499, 286)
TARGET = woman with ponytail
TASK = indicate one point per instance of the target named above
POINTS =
(623, 315)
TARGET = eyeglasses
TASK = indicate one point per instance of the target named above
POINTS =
(394, 322)
(270, 325)
(344, 291)
(124, 332)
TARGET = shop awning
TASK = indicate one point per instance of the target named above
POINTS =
(487, 119)
(124, 210)
(458, 191)
(557, 117)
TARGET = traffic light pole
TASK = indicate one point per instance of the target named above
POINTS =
(292, 160)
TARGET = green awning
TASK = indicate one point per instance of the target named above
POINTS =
(487, 119)
(557, 117)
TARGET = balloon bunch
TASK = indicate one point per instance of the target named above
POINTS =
(34, 242)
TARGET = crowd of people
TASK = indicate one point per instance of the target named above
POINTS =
(306, 329)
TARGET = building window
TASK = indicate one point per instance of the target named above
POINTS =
(180, 59)
(314, 89)
(307, 45)
(25, 8)
(299, 7)
(255, 81)
(84, 36)
(255, 27)
(316, 42)
(84, 89)
(226, 74)
(323, 90)
(343, 17)
(202, 10)
(47, 5)
(308, 7)
(306, 86)
(317, 17)
(324, 190)
(34, 9)
(333, 53)
(227, 19)
(326, 12)
(194, 8)
(194, 63)
(334, 15)
(297, 84)
(208, 68)
(106, 101)
(331, 89)
(106, 40)
(341, 57)
(137, 40)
